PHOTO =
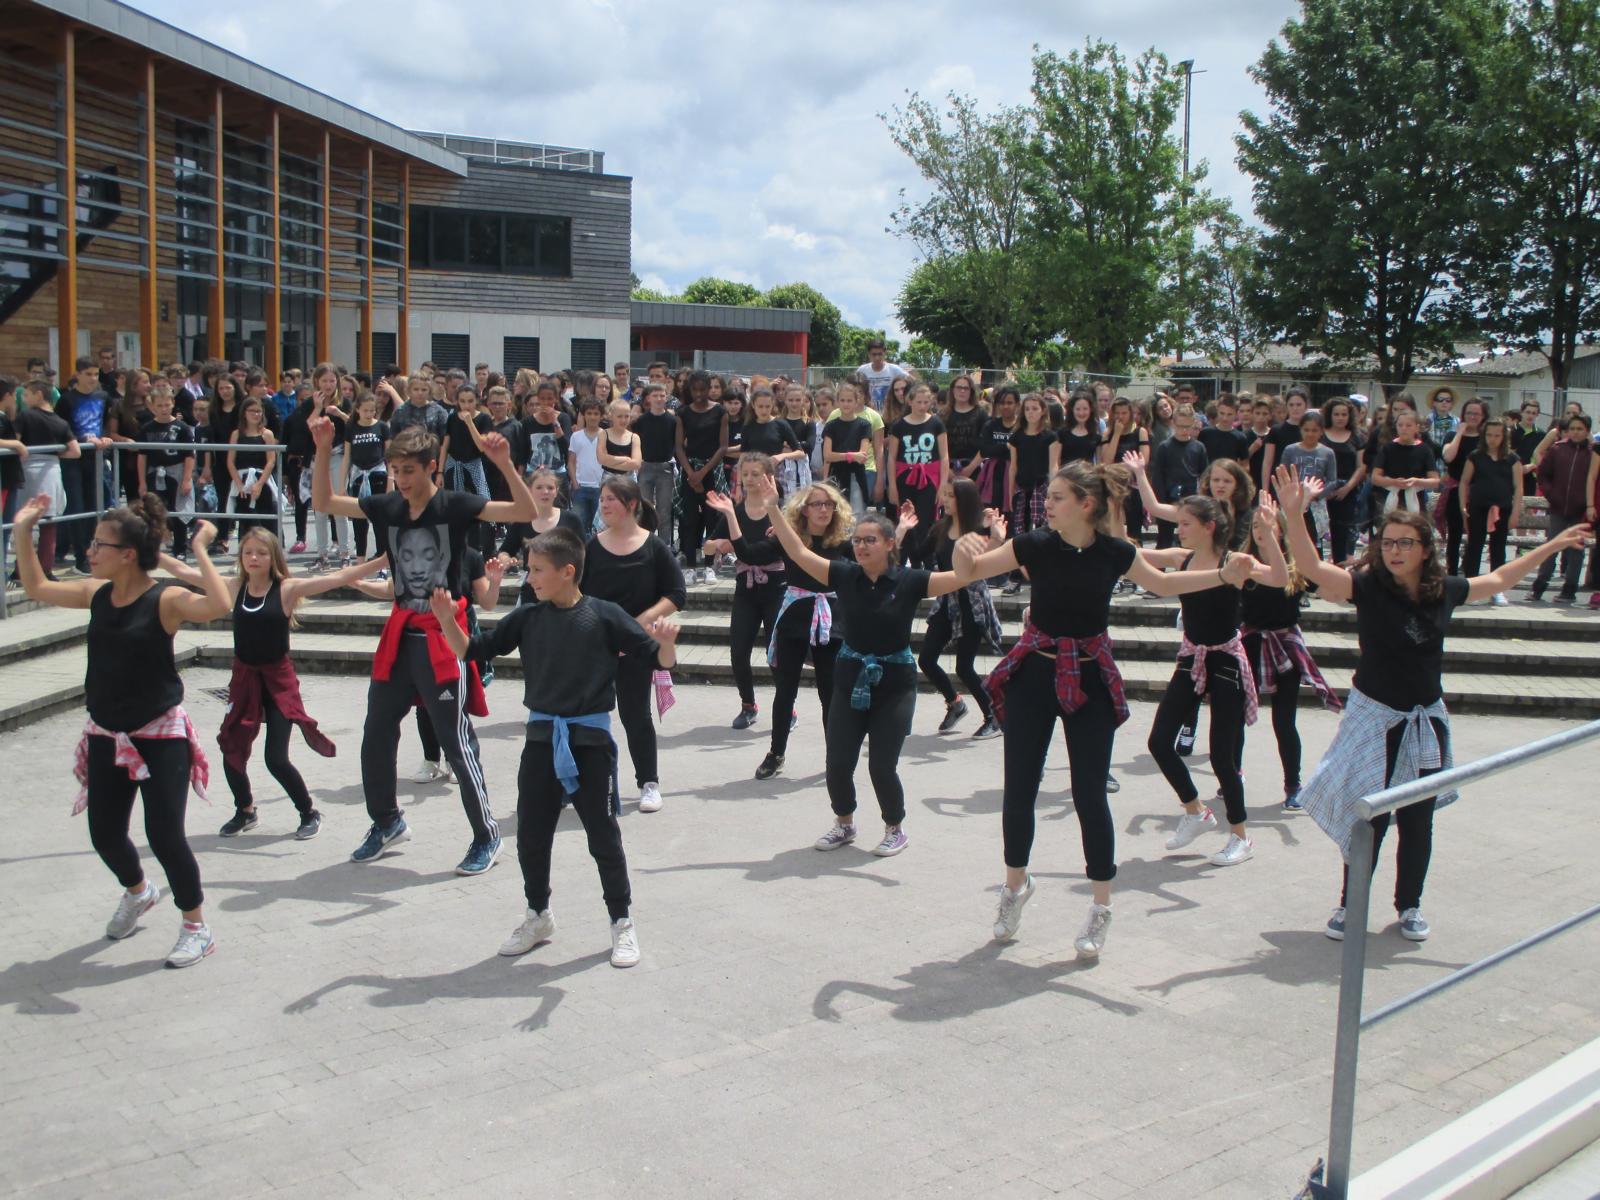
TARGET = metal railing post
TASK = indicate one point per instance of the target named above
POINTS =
(283, 496)
(1352, 978)
(98, 505)
(116, 474)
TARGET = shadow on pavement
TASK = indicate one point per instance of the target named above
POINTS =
(494, 978)
(979, 980)
(34, 988)
(1295, 957)
(363, 887)
(1151, 876)
(800, 863)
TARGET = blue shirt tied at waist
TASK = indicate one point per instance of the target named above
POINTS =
(561, 741)
(871, 671)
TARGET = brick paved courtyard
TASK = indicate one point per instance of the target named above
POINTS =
(801, 1025)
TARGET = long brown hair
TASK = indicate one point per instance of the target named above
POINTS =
(1431, 588)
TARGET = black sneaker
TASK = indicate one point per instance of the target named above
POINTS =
(243, 819)
(1185, 743)
(1011, 588)
(770, 766)
(310, 826)
(953, 715)
(989, 729)
(1564, 599)
(1112, 785)
(746, 718)
(1536, 595)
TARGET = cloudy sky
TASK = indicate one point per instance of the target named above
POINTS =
(751, 130)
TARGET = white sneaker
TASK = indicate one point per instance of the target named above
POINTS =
(1092, 939)
(839, 835)
(129, 909)
(1412, 927)
(1499, 600)
(194, 943)
(1008, 917)
(624, 943)
(1238, 850)
(536, 927)
(1191, 826)
(428, 772)
(650, 798)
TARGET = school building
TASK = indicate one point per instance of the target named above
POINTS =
(223, 210)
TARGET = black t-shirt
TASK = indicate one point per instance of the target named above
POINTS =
(169, 431)
(520, 534)
(1467, 448)
(1072, 587)
(547, 444)
(1406, 462)
(877, 616)
(1078, 447)
(1526, 441)
(10, 464)
(1262, 606)
(366, 443)
(658, 435)
(511, 430)
(995, 440)
(425, 552)
(1210, 617)
(1492, 481)
(964, 431)
(845, 434)
(1281, 438)
(756, 543)
(916, 445)
(702, 431)
(1346, 456)
(1176, 467)
(462, 448)
(796, 620)
(635, 581)
(1033, 456)
(1402, 644)
(774, 437)
(1224, 443)
(41, 427)
(1255, 445)
(569, 658)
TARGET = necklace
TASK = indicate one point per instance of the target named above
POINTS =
(244, 600)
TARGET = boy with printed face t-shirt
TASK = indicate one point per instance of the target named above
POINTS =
(424, 532)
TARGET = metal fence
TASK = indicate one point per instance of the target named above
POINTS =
(1026, 378)
(1352, 978)
(106, 490)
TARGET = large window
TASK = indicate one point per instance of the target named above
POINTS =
(459, 239)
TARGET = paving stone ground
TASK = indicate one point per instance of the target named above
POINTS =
(802, 1024)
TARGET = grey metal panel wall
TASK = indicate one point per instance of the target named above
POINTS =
(1585, 372)
(601, 209)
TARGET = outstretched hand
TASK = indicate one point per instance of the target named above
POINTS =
(719, 502)
(1266, 519)
(908, 515)
(1134, 461)
(321, 430)
(1573, 537)
(30, 513)
(1292, 492)
(763, 492)
(997, 526)
(204, 533)
(443, 605)
(495, 448)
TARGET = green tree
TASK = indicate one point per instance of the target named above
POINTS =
(1108, 198)
(931, 306)
(853, 346)
(824, 340)
(710, 290)
(1223, 293)
(973, 224)
(1535, 285)
(644, 293)
(923, 354)
(1368, 174)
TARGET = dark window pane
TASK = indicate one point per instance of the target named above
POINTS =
(449, 238)
(555, 246)
(483, 241)
(522, 243)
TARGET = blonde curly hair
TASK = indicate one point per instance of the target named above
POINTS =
(839, 528)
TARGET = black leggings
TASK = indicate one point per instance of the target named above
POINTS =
(1415, 823)
(539, 799)
(692, 522)
(754, 611)
(884, 726)
(789, 660)
(1453, 530)
(1478, 535)
(967, 645)
(279, 727)
(634, 691)
(166, 799)
(1343, 519)
(1225, 691)
(1284, 702)
(1032, 710)
(925, 499)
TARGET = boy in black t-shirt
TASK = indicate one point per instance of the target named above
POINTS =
(424, 531)
(571, 646)
(168, 473)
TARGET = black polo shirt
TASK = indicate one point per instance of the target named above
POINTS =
(877, 616)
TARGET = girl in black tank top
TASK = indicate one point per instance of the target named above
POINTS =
(265, 691)
(254, 495)
(1211, 665)
(135, 702)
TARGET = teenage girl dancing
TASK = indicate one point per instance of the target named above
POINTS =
(967, 616)
(759, 573)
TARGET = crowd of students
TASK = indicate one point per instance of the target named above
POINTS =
(838, 510)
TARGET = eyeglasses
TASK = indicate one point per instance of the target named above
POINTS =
(865, 541)
(97, 544)
(1400, 543)
(820, 504)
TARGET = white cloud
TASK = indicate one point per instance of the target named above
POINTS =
(751, 130)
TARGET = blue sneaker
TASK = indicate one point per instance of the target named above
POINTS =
(378, 840)
(480, 857)
(1291, 801)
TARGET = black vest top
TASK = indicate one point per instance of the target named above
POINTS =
(260, 626)
(131, 678)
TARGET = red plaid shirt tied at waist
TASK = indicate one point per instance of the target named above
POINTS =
(1283, 650)
(1070, 655)
(1197, 669)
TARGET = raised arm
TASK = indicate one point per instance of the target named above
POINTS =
(65, 593)
(299, 587)
(1333, 583)
(1156, 508)
(519, 508)
(180, 606)
(765, 493)
(941, 582)
(323, 499)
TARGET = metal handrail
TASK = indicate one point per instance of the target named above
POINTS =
(1352, 972)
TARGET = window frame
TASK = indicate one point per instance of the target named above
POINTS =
(423, 254)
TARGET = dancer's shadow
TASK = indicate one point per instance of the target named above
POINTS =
(800, 863)
(1272, 818)
(363, 887)
(494, 978)
(973, 804)
(979, 980)
(753, 791)
(1151, 876)
(35, 988)
(702, 737)
(1296, 957)
(24, 858)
